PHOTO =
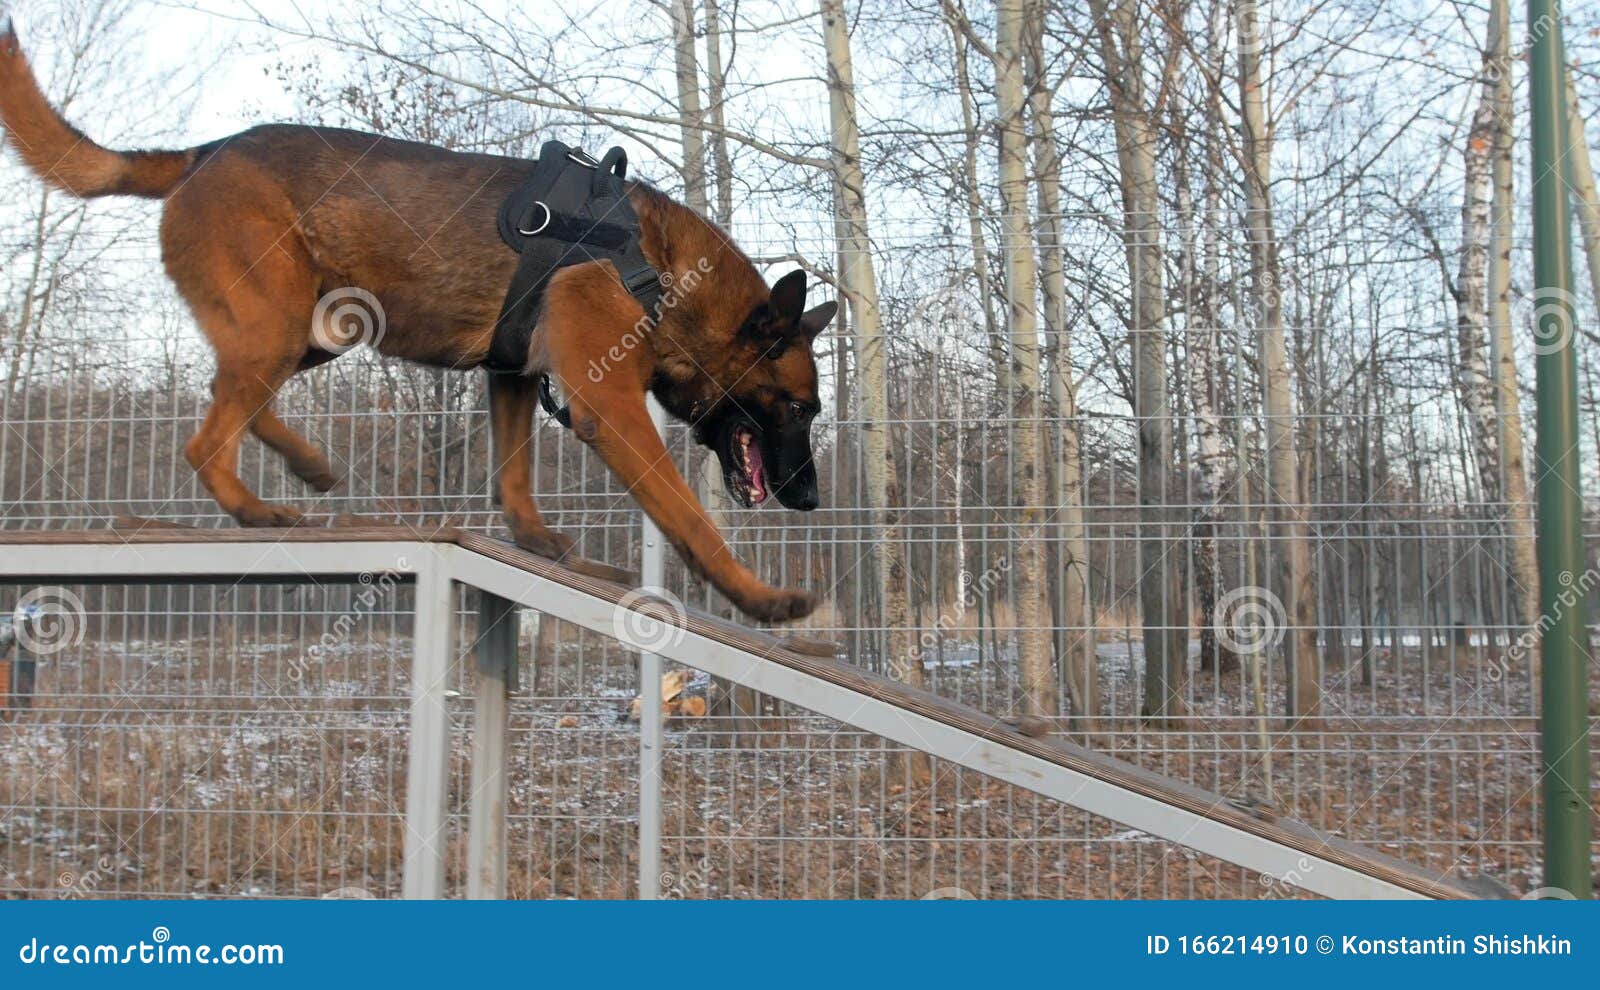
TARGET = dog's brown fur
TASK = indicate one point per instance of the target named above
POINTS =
(261, 225)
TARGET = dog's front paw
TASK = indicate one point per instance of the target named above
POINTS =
(544, 542)
(261, 514)
(778, 605)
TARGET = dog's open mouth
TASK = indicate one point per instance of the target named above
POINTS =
(745, 470)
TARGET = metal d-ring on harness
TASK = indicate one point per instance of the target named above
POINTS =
(571, 210)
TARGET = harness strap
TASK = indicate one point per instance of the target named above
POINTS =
(570, 210)
(561, 414)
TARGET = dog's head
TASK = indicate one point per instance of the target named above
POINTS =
(760, 423)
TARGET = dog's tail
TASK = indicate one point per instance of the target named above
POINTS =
(59, 153)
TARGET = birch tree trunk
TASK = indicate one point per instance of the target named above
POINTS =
(691, 129)
(1296, 582)
(975, 208)
(1035, 662)
(1203, 371)
(860, 283)
(1580, 176)
(1471, 288)
(1522, 553)
(1161, 603)
(1069, 557)
(717, 92)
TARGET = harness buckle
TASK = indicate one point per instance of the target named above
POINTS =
(548, 216)
(640, 279)
(582, 158)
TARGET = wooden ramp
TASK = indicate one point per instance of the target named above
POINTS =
(801, 672)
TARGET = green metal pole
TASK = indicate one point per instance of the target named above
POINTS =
(1564, 727)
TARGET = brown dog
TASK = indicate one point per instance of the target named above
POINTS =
(262, 229)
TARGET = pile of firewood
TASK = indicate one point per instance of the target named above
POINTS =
(684, 693)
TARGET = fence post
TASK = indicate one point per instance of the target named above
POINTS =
(427, 771)
(498, 628)
(1563, 649)
(652, 574)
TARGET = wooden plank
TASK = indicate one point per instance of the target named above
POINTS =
(177, 535)
(1060, 752)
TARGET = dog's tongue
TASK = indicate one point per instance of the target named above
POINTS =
(758, 474)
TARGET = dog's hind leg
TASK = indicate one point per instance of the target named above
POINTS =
(308, 462)
(230, 242)
(239, 393)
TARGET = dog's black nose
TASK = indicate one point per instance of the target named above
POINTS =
(805, 500)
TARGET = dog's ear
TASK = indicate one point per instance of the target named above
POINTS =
(816, 319)
(788, 299)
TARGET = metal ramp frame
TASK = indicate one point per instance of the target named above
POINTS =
(507, 577)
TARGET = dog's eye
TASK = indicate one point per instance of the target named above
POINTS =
(797, 410)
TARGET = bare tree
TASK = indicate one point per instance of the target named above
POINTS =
(1134, 123)
(1581, 175)
(1296, 581)
(860, 283)
(1522, 552)
(1068, 556)
(1471, 287)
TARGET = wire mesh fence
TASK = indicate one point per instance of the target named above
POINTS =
(186, 747)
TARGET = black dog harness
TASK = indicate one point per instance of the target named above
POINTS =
(570, 211)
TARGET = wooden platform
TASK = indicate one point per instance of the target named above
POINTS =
(711, 642)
